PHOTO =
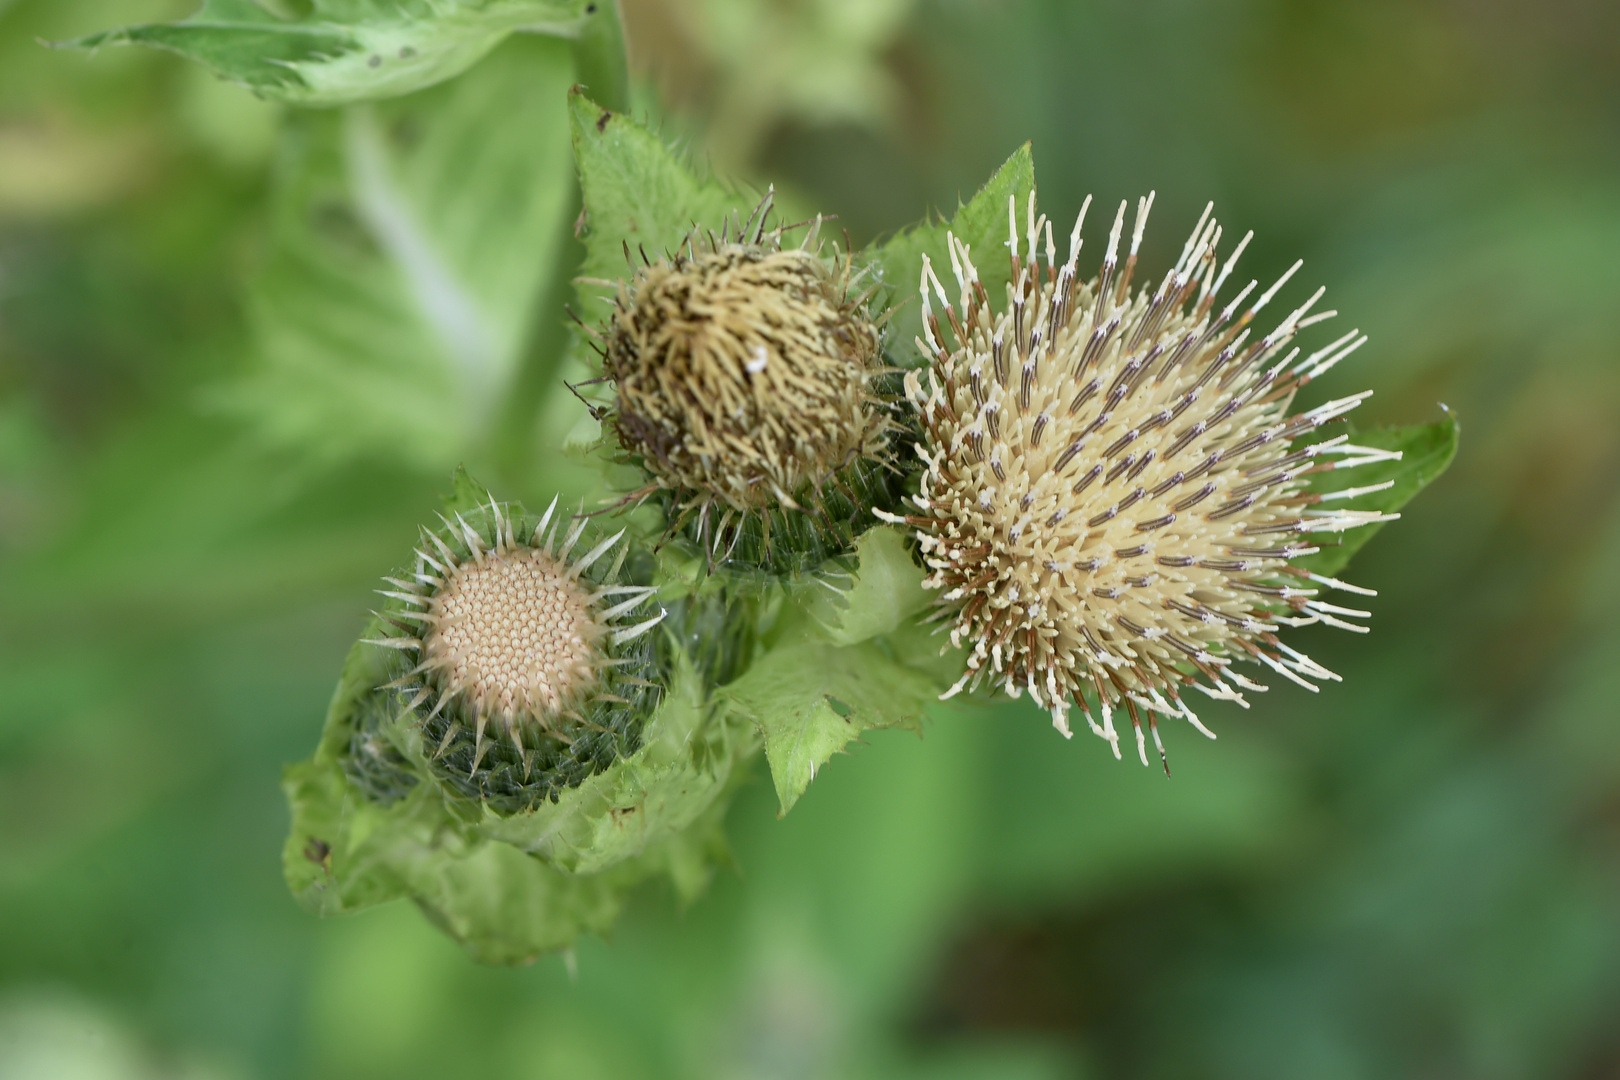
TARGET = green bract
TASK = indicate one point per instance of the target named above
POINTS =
(518, 757)
(698, 277)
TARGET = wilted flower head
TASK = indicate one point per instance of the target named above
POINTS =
(512, 634)
(1113, 487)
(743, 373)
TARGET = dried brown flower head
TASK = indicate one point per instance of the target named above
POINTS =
(743, 373)
(510, 632)
(1113, 490)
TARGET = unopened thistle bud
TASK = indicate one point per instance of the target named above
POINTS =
(744, 375)
(533, 667)
(1113, 483)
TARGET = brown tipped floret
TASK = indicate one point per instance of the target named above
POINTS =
(744, 374)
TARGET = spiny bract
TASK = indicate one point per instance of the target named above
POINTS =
(744, 375)
(509, 633)
(1112, 487)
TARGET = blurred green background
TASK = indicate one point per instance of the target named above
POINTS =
(1415, 874)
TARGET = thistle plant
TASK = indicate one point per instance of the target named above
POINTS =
(1113, 498)
(1114, 490)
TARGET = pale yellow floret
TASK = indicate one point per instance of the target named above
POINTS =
(515, 634)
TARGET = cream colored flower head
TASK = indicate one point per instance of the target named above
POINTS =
(1113, 483)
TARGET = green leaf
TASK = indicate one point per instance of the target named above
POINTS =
(981, 224)
(853, 665)
(466, 494)
(346, 51)
(639, 194)
(687, 760)
(345, 853)
(811, 698)
(1426, 450)
(409, 243)
(886, 595)
(642, 199)
(509, 888)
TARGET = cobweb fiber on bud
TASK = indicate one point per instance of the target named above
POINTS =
(533, 668)
(1114, 483)
(744, 379)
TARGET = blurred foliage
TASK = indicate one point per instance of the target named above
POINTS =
(742, 67)
(408, 243)
(1410, 874)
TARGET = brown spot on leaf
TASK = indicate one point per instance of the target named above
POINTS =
(319, 852)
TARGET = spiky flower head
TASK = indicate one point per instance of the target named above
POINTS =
(1114, 484)
(744, 374)
(526, 650)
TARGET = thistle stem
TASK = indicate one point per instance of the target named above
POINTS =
(599, 58)
(600, 65)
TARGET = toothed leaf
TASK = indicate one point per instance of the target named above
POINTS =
(856, 665)
(639, 195)
(981, 224)
(346, 50)
(810, 699)
(466, 494)
(686, 760)
(886, 593)
(644, 198)
(346, 852)
(510, 886)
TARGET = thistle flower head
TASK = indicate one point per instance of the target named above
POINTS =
(1114, 483)
(743, 373)
(520, 638)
